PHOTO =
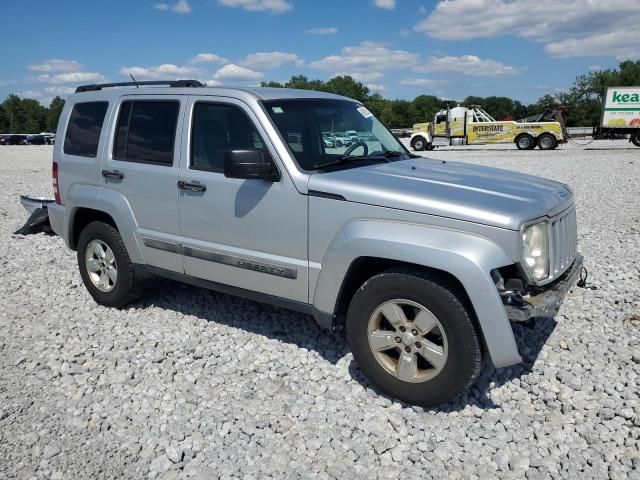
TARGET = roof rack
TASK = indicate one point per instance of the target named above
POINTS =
(171, 83)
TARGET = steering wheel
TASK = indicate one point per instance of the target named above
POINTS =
(362, 144)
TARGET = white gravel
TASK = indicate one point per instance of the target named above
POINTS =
(194, 384)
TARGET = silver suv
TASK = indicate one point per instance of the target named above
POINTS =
(424, 262)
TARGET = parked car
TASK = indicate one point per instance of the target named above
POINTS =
(35, 140)
(202, 186)
(342, 140)
(329, 142)
(11, 139)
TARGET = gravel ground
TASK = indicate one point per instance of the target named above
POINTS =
(194, 384)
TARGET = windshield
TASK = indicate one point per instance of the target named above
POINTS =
(326, 134)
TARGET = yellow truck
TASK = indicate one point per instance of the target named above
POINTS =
(473, 126)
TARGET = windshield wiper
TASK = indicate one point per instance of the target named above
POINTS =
(350, 158)
(392, 153)
(395, 153)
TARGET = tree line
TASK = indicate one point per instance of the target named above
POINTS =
(26, 115)
(582, 102)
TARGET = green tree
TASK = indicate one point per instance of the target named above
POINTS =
(348, 87)
(272, 84)
(53, 113)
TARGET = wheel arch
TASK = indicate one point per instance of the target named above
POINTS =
(88, 203)
(365, 248)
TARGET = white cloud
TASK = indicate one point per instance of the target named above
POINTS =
(60, 91)
(207, 58)
(594, 68)
(467, 65)
(418, 82)
(365, 58)
(72, 77)
(271, 60)
(619, 44)
(232, 72)
(166, 71)
(181, 7)
(569, 28)
(323, 31)
(376, 87)
(213, 83)
(386, 4)
(56, 65)
(34, 94)
(368, 61)
(274, 6)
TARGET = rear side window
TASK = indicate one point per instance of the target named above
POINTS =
(146, 131)
(83, 130)
(217, 129)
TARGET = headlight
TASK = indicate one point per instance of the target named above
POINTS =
(535, 251)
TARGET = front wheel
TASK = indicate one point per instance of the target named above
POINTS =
(105, 267)
(413, 337)
(419, 144)
(635, 139)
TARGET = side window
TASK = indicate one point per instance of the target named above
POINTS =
(83, 130)
(216, 129)
(146, 131)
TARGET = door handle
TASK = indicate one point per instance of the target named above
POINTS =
(192, 186)
(113, 174)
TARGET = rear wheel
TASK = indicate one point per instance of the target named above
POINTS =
(546, 141)
(413, 337)
(525, 142)
(419, 144)
(635, 138)
(105, 266)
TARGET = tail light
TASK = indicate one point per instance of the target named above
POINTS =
(56, 183)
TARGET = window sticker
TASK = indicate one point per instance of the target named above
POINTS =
(277, 110)
(364, 112)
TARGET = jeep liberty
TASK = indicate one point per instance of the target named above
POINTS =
(423, 262)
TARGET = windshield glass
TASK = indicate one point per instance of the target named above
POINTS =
(326, 134)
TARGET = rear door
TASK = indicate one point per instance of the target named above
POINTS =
(142, 165)
(250, 234)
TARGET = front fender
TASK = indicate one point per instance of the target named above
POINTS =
(469, 258)
(110, 202)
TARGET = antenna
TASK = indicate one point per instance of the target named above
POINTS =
(134, 80)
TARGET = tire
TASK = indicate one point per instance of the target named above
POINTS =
(453, 336)
(635, 139)
(546, 141)
(525, 142)
(118, 292)
(419, 144)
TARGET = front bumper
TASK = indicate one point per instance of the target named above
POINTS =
(521, 308)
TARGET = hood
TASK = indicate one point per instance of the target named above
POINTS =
(491, 196)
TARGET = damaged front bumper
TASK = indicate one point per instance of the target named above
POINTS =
(545, 303)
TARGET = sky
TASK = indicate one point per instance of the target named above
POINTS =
(522, 49)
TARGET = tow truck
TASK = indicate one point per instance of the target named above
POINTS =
(474, 126)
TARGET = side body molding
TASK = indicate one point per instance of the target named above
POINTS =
(110, 202)
(468, 257)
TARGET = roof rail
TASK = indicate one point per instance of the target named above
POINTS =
(171, 83)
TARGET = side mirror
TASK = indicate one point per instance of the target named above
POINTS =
(250, 164)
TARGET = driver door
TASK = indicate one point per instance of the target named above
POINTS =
(250, 234)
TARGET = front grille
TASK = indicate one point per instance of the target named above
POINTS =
(564, 236)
